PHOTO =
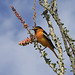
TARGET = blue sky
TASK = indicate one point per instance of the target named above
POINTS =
(19, 60)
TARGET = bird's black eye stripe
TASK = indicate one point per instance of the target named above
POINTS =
(35, 30)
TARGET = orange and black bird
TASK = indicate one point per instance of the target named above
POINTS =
(43, 38)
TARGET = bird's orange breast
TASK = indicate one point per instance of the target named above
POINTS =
(42, 40)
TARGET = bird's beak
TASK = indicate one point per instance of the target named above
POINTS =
(34, 29)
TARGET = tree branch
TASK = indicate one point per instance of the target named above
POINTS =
(53, 12)
(54, 37)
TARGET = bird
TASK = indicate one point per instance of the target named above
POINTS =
(43, 38)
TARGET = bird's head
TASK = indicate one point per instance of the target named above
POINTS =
(37, 28)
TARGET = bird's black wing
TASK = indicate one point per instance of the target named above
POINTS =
(47, 37)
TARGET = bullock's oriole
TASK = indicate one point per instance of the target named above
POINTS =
(43, 38)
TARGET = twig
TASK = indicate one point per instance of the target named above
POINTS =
(27, 41)
(19, 17)
(34, 13)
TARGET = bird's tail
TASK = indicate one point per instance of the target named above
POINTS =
(53, 51)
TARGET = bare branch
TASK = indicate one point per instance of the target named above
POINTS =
(54, 37)
(47, 60)
(34, 13)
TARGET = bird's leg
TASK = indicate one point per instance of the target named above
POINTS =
(43, 48)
